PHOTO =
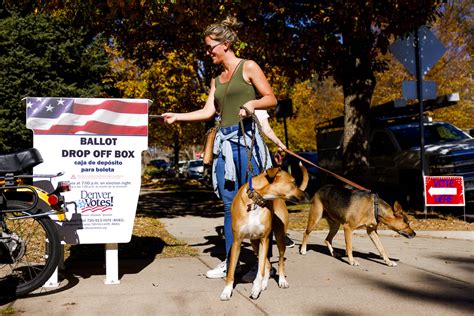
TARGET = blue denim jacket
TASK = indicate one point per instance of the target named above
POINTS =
(222, 145)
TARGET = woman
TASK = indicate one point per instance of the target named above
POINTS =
(235, 87)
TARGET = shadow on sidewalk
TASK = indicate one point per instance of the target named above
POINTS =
(180, 203)
(442, 290)
(88, 260)
(341, 254)
(215, 247)
(85, 261)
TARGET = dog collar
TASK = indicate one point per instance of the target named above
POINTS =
(376, 207)
(256, 198)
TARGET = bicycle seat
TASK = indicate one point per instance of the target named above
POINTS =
(19, 162)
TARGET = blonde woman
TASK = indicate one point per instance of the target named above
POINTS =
(241, 83)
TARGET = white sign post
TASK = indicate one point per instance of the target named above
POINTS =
(418, 52)
(97, 143)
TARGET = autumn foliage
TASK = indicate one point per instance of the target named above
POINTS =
(330, 57)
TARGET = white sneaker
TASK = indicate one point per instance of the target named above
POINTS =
(220, 271)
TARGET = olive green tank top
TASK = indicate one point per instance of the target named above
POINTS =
(238, 93)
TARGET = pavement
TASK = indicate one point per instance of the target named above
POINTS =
(434, 276)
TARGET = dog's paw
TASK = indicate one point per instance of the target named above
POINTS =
(283, 283)
(255, 292)
(226, 293)
(302, 251)
(390, 263)
(354, 263)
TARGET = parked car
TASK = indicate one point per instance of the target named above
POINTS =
(291, 164)
(159, 163)
(181, 168)
(195, 169)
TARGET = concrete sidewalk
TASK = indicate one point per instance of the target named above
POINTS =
(434, 276)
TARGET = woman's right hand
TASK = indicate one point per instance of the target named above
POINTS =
(169, 118)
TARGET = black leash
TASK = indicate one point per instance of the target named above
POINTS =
(248, 149)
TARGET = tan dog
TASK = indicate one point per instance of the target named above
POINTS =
(354, 209)
(254, 218)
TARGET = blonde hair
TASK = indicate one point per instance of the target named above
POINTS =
(224, 30)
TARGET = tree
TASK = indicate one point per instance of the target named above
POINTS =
(314, 102)
(344, 40)
(173, 84)
(43, 56)
(455, 71)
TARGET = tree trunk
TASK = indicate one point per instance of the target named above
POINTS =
(357, 98)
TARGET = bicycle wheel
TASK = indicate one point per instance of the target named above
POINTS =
(33, 250)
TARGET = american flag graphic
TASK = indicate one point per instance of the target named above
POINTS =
(87, 116)
(96, 208)
(84, 207)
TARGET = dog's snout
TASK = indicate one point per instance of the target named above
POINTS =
(305, 198)
(301, 197)
(408, 235)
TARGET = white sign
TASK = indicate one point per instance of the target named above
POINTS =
(444, 190)
(97, 143)
(431, 50)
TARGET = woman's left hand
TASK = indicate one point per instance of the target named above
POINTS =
(250, 107)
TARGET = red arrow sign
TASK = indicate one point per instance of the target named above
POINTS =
(444, 191)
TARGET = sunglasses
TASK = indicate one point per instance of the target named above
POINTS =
(209, 49)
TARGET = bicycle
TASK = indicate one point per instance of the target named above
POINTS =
(30, 245)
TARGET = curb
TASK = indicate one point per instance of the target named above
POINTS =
(445, 234)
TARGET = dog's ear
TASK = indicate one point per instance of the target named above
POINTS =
(271, 173)
(399, 212)
(397, 208)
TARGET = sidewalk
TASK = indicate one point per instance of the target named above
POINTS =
(433, 277)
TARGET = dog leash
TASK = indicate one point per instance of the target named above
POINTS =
(376, 196)
(355, 185)
(250, 149)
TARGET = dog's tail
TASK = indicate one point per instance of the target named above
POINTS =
(304, 182)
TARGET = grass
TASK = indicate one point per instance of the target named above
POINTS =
(152, 227)
(9, 310)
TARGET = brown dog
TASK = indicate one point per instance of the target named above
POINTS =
(254, 215)
(354, 209)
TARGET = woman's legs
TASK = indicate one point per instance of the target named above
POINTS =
(228, 189)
